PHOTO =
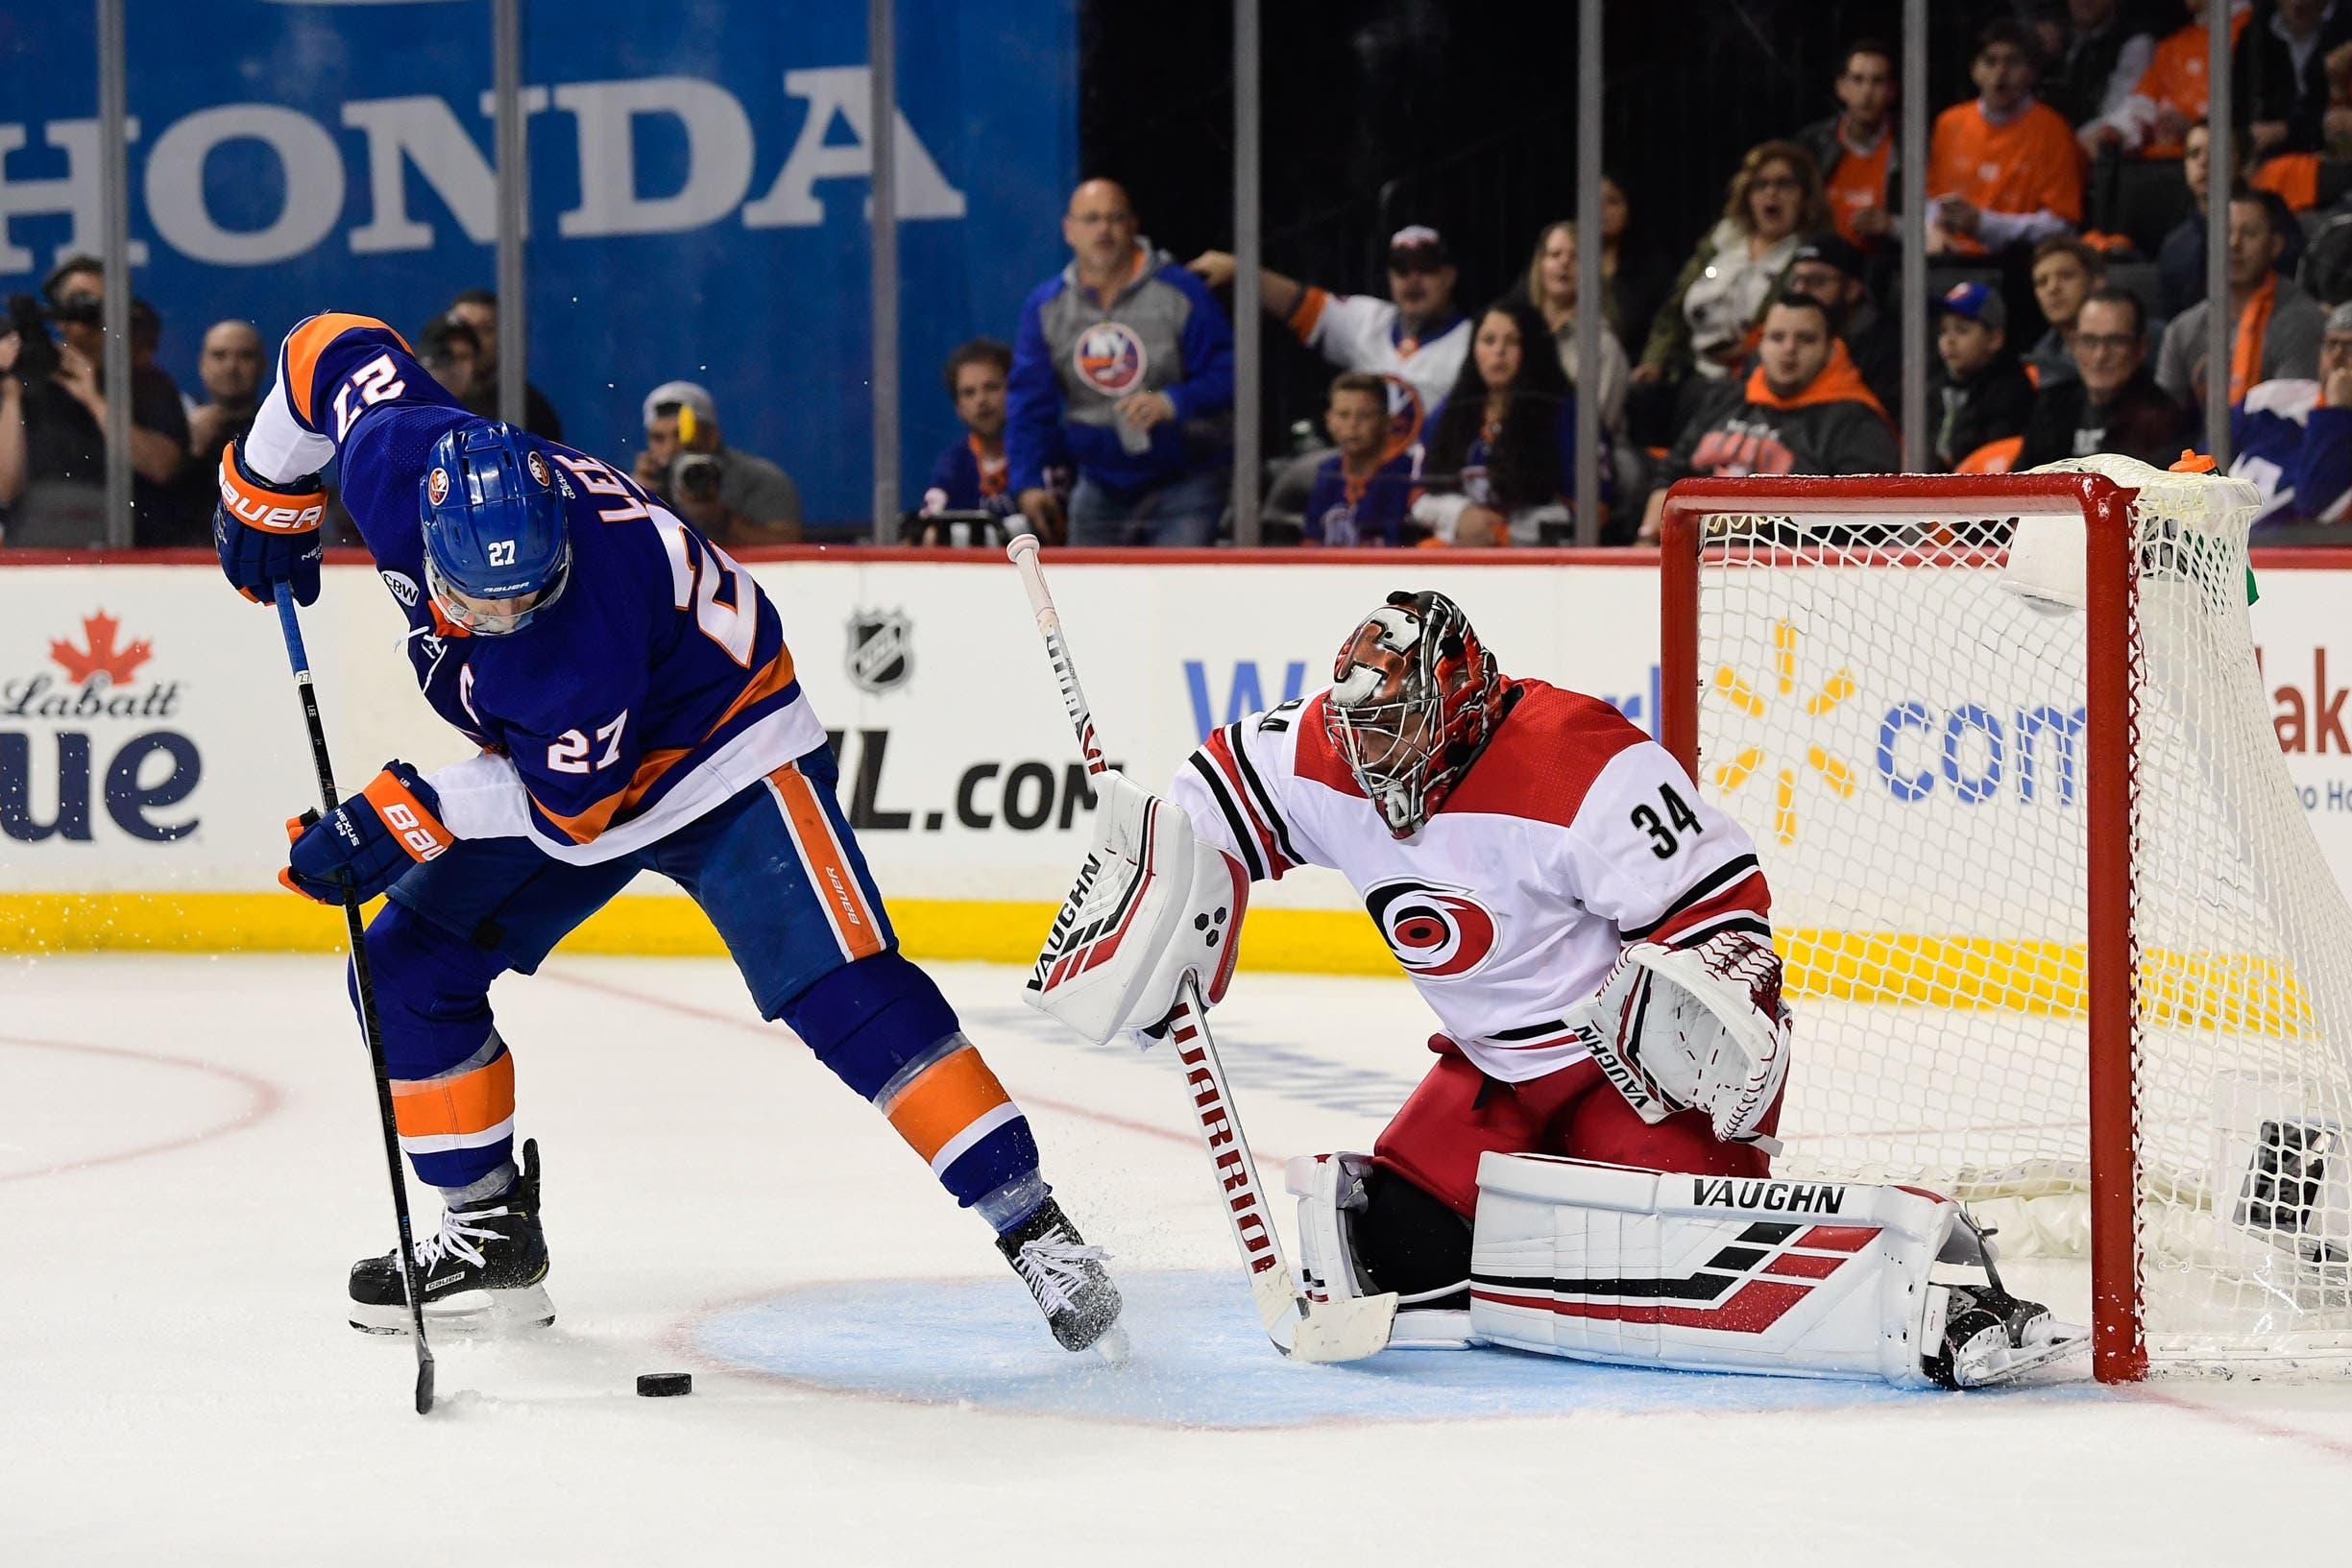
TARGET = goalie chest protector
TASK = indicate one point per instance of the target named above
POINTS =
(1570, 834)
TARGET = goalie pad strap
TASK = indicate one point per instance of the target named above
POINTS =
(1703, 1273)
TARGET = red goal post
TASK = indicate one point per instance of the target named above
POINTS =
(1791, 605)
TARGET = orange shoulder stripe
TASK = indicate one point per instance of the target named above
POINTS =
(307, 342)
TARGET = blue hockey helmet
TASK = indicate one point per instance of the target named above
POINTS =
(493, 512)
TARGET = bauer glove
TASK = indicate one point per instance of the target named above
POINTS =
(266, 532)
(370, 842)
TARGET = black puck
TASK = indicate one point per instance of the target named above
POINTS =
(665, 1384)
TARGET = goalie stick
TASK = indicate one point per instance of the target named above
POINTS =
(1335, 1330)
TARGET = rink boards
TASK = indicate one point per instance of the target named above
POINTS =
(151, 747)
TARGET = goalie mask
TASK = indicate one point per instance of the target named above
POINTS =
(1415, 697)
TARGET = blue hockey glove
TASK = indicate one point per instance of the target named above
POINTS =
(370, 842)
(267, 533)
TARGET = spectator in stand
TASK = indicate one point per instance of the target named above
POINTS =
(1502, 462)
(229, 365)
(2181, 260)
(1363, 492)
(1550, 288)
(1701, 335)
(60, 498)
(2113, 404)
(2106, 48)
(2275, 327)
(1128, 352)
(453, 352)
(2154, 120)
(1831, 271)
(2293, 438)
(1854, 148)
(1415, 337)
(2279, 74)
(1803, 410)
(1633, 281)
(1981, 394)
(2065, 273)
(733, 497)
(12, 425)
(969, 475)
(478, 309)
(2003, 169)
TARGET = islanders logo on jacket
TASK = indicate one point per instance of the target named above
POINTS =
(1109, 357)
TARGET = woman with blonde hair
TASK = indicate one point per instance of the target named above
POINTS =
(1550, 286)
(1702, 329)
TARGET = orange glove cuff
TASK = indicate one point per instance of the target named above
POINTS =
(418, 832)
(273, 511)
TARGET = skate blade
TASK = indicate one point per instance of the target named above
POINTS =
(1113, 1346)
(466, 1313)
(2003, 1364)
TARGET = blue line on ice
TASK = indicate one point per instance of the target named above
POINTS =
(1199, 1360)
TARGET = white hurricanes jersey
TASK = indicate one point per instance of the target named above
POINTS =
(1572, 834)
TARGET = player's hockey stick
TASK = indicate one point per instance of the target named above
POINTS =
(365, 984)
(1328, 1331)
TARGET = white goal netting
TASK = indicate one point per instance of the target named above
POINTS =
(1904, 733)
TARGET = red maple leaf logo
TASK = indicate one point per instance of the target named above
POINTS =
(100, 657)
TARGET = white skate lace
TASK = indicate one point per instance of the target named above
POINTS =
(1053, 1270)
(457, 1238)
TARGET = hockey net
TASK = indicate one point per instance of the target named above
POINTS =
(2060, 940)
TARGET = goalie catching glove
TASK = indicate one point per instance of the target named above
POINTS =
(1699, 1027)
(1151, 906)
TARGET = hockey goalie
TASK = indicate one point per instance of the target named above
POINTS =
(1585, 1169)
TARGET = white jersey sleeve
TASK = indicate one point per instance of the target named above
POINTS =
(1236, 790)
(1650, 854)
(1355, 331)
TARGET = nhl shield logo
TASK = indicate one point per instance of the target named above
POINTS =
(881, 649)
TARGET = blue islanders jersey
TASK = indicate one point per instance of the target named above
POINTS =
(2296, 449)
(1341, 511)
(657, 686)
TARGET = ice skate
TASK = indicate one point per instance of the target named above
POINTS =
(1066, 1278)
(486, 1268)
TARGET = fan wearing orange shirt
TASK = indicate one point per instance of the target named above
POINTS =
(1854, 148)
(2154, 121)
(2003, 169)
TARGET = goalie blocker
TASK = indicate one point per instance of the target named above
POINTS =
(1700, 1273)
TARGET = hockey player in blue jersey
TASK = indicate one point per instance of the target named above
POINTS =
(633, 699)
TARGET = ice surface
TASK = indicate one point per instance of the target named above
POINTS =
(189, 1161)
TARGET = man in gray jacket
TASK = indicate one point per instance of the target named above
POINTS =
(2287, 323)
(1130, 355)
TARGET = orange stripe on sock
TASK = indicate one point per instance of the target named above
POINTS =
(836, 884)
(309, 341)
(474, 1101)
(948, 1096)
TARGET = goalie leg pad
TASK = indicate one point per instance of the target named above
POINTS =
(1706, 1273)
